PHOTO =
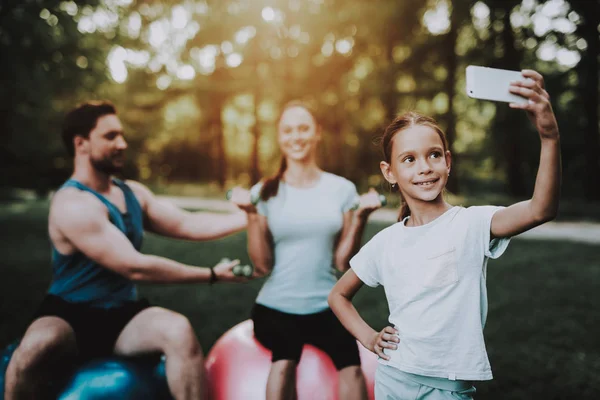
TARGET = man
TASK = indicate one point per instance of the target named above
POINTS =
(96, 224)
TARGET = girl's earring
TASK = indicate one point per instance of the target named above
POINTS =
(394, 186)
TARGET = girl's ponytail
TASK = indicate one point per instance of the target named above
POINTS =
(404, 210)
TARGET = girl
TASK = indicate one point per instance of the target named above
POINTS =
(302, 226)
(433, 262)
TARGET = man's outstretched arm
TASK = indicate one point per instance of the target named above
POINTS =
(84, 223)
(166, 219)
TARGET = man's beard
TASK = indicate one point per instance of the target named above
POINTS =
(106, 166)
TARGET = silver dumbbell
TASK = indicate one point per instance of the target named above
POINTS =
(254, 197)
(240, 270)
(356, 203)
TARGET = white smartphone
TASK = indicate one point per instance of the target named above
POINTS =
(492, 84)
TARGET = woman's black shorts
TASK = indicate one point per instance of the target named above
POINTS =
(285, 335)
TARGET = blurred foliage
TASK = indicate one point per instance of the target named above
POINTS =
(199, 84)
(46, 66)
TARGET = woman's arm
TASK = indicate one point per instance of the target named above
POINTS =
(353, 228)
(260, 243)
(340, 301)
(260, 240)
(543, 205)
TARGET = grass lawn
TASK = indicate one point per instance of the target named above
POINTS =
(542, 327)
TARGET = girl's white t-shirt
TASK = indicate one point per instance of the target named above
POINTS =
(305, 223)
(434, 277)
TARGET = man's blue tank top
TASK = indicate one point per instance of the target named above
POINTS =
(77, 279)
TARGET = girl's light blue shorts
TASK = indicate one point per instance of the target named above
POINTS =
(393, 384)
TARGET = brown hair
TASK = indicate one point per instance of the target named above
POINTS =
(81, 120)
(400, 123)
(270, 185)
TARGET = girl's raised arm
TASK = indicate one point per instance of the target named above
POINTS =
(543, 205)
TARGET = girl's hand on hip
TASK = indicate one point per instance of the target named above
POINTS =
(386, 339)
(538, 107)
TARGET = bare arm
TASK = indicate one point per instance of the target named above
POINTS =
(340, 301)
(260, 240)
(353, 228)
(83, 222)
(168, 220)
(260, 243)
(543, 205)
(350, 239)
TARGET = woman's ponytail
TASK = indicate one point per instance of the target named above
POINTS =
(271, 185)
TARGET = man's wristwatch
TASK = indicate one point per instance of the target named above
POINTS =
(213, 276)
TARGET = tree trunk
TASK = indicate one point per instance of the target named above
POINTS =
(450, 89)
(216, 123)
(216, 130)
(390, 98)
(589, 94)
(255, 157)
(504, 124)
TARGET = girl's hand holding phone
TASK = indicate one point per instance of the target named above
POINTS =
(539, 109)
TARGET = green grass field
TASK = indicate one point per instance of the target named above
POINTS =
(542, 328)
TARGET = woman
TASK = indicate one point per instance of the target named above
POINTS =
(306, 222)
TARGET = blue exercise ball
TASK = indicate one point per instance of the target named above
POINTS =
(5, 357)
(125, 378)
(118, 378)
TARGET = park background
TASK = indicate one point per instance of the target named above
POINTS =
(199, 85)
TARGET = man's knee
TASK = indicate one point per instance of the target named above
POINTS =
(179, 334)
(47, 339)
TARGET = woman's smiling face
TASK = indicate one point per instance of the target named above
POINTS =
(298, 134)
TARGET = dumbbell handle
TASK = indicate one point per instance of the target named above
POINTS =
(240, 270)
(356, 204)
(254, 197)
(243, 270)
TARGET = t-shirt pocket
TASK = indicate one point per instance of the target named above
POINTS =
(440, 269)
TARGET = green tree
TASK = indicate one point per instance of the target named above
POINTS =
(587, 70)
(46, 65)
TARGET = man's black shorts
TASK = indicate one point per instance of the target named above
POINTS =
(285, 335)
(96, 329)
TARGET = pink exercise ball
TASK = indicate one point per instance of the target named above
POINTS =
(238, 366)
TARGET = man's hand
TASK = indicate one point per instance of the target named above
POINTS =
(224, 271)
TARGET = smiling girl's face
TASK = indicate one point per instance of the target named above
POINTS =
(419, 163)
